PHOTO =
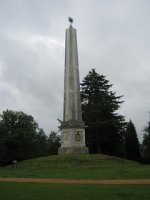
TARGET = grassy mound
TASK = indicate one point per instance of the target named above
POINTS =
(77, 166)
(75, 161)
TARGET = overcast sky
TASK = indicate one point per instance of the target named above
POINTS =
(113, 37)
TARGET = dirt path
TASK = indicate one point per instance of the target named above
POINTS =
(72, 181)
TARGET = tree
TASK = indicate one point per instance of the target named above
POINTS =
(20, 137)
(146, 143)
(132, 149)
(53, 143)
(41, 146)
(104, 133)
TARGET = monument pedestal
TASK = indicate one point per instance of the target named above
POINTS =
(72, 138)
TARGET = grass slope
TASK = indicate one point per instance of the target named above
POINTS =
(75, 161)
(78, 167)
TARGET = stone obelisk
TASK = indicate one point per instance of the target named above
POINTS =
(72, 127)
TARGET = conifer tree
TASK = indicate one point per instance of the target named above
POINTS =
(132, 150)
(146, 143)
(105, 127)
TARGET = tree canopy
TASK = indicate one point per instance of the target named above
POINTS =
(20, 137)
(53, 143)
(104, 133)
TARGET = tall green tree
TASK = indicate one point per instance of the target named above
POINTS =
(132, 148)
(104, 133)
(20, 137)
(146, 143)
(53, 143)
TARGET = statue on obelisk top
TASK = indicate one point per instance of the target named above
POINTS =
(72, 127)
(70, 20)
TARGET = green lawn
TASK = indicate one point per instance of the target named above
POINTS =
(36, 191)
(75, 167)
(83, 173)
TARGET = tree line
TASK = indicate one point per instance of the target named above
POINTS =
(21, 138)
(107, 131)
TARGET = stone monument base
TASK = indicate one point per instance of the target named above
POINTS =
(73, 150)
(72, 138)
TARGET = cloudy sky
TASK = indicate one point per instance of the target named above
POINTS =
(113, 37)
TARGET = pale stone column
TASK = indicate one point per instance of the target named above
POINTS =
(72, 127)
(72, 101)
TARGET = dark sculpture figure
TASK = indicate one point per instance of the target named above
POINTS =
(70, 20)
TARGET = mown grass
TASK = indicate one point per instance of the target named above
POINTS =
(75, 167)
(101, 173)
(75, 161)
(37, 191)
(78, 167)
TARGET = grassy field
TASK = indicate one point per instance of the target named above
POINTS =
(101, 173)
(75, 167)
(36, 191)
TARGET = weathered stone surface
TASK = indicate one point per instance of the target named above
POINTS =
(72, 102)
(73, 150)
(72, 137)
(72, 127)
(72, 123)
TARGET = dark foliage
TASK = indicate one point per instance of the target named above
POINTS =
(53, 143)
(104, 133)
(146, 144)
(20, 137)
(132, 149)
